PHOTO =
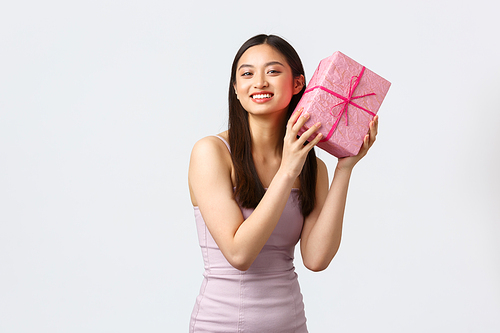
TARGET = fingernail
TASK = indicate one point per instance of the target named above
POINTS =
(318, 124)
(305, 115)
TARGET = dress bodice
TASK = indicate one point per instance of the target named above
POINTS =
(278, 252)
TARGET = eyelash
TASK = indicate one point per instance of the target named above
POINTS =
(271, 71)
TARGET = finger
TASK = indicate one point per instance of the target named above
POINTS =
(308, 145)
(295, 116)
(300, 122)
(365, 146)
(372, 130)
(292, 128)
(309, 132)
(315, 141)
(368, 141)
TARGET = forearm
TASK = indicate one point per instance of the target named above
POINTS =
(324, 237)
(322, 231)
(253, 233)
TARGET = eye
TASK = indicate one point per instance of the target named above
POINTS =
(246, 74)
(273, 71)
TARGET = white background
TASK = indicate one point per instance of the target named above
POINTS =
(102, 101)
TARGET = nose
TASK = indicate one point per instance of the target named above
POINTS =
(260, 81)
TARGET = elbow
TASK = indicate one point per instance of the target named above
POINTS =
(319, 263)
(239, 258)
(240, 266)
(316, 267)
(241, 263)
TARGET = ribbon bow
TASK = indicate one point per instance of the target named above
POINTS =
(346, 101)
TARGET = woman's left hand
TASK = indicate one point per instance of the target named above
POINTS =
(370, 137)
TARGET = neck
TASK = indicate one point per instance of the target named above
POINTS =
(267, 134)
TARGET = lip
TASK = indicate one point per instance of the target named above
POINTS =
(261, 100)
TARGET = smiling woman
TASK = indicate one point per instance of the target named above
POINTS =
(256, 190)
(266, 86)
(249, 186)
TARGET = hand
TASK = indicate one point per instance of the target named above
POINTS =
(370, 137)
(295, 149)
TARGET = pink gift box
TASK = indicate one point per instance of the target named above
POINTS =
(344, 96)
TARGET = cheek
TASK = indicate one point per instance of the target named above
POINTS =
(240, 86)
(288, 87)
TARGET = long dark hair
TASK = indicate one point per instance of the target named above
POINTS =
(249, 189)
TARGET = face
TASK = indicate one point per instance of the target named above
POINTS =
(264, 81)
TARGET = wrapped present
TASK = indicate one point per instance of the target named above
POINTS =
(344, 96)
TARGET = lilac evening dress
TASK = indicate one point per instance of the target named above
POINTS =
(264, 299)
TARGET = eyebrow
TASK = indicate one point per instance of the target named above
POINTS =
(267, 64)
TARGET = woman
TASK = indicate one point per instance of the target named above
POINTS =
(256, 190)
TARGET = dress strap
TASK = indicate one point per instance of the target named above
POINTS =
(225, 142)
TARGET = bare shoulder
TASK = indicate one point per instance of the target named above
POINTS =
(210, 150)
(212, 143)
(210, 165)
(209, 145)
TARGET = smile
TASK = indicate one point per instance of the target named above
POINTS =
(262, 96)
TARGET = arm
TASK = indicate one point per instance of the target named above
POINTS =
(211, 186)
(322, 231)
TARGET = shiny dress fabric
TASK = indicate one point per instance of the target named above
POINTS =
(266, 297)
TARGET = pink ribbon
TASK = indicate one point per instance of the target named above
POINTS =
(346, 101)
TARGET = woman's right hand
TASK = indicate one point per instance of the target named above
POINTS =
(295, 149)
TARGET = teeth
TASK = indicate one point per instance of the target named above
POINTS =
(260, 96)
